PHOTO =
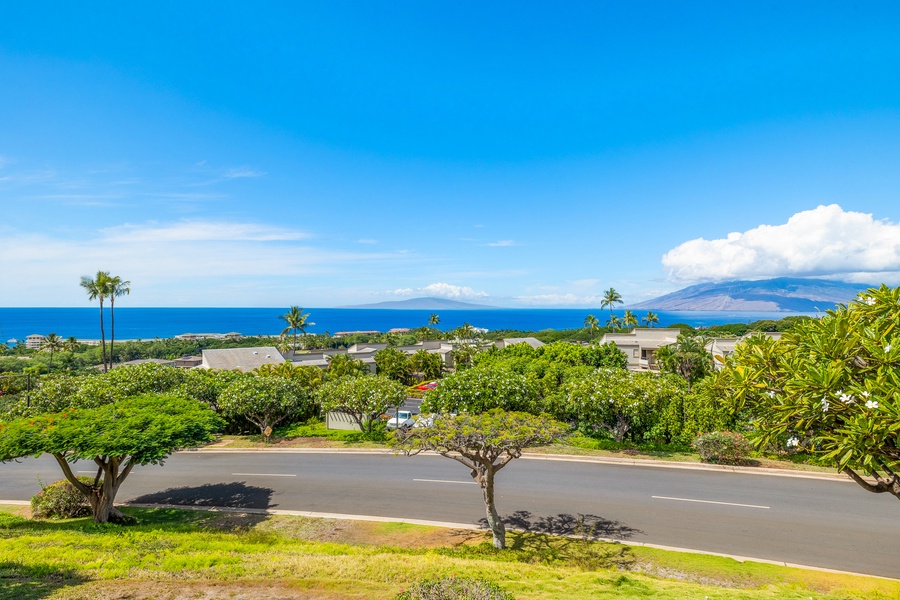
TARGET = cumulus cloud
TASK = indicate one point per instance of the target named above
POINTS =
(824, 242)
(442, 290)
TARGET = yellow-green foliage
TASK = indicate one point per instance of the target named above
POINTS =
(76, 558)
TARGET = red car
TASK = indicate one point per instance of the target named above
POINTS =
(427, 386)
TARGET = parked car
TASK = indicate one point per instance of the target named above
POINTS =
(427, 386)
(401, 419)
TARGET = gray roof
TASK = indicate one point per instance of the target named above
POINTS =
(241, 359)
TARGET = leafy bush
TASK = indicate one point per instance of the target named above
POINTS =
(454, 588)
(61, 500)
(722, 447)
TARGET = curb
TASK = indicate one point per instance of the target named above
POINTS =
(630, 462)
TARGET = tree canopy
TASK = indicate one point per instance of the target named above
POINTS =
(830, 386)
(134, 431)
(485, 443)
(363, 398)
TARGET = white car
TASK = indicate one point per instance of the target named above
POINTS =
(401, 419)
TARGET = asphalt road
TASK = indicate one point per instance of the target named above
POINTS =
(831, 524)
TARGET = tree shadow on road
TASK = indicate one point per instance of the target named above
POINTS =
(235, 494)
(35, 581)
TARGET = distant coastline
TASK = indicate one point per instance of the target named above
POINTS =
(151, 323)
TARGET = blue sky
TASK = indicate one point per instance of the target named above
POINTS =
(514, 153)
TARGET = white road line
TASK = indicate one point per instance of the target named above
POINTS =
(445, 481)
(709, 502)
(266, 474)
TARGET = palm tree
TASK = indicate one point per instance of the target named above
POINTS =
(651, 319)
(72, 344)
(629, 319)
(52, 343)
(591, 322)
(115, 287)
(97, 288)
(433, 321)
(296, 321)
(610, 298)
(613, 322)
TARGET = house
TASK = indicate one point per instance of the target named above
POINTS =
(240, 359)
(33, 341)
(640, 345)
(188, 362)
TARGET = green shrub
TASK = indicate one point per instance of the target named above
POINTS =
(454, 588)
(61, 500)
(722, 447)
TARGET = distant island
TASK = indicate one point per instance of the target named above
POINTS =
(428, 303)
(782, 294)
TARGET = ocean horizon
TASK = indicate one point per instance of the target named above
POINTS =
(150, 323)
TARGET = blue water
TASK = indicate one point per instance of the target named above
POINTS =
(149, 323)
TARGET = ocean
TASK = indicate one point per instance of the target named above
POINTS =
(150, 323)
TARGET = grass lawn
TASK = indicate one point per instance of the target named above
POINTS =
(196, 554)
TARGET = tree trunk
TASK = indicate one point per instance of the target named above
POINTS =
(102, 337)
(112, 328)
(485, 478)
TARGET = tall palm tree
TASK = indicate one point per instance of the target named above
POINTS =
(591, 322)
(96, 289)
(651, 319)
(629, 319)
(613, 322)
(52, 343)
(610, 298)
(115, 288)
(296, 320)
(433, 321)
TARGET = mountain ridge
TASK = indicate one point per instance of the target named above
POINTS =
(781, 294)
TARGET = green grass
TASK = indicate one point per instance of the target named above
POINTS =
(252, 555)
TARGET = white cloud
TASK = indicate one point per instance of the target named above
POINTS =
(503, 243)
(824, 242)
(197, 231)
(243, 172)
(559, 300)
(199, 262)
(441, 290)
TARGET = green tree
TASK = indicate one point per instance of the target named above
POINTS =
(296, 320)
(629, 319)
(266, 401)
(394, 364)
(687, 356)
(484, 443)
(481, 389)
(365, 399)
(591, 323)
(52, 343)
(610, 298)
(830, 386)
(343, 365)
(429, 366)
(97, 289)
(115, 288)
(116, 437)
(650, 319)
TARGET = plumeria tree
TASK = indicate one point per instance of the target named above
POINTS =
(830, 386)
(484, 443)
(266, 401)
(481, 389)
(365, 399)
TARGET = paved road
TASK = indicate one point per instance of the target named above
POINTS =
(831, 524)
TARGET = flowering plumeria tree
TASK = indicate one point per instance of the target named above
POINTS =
(831, 387)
